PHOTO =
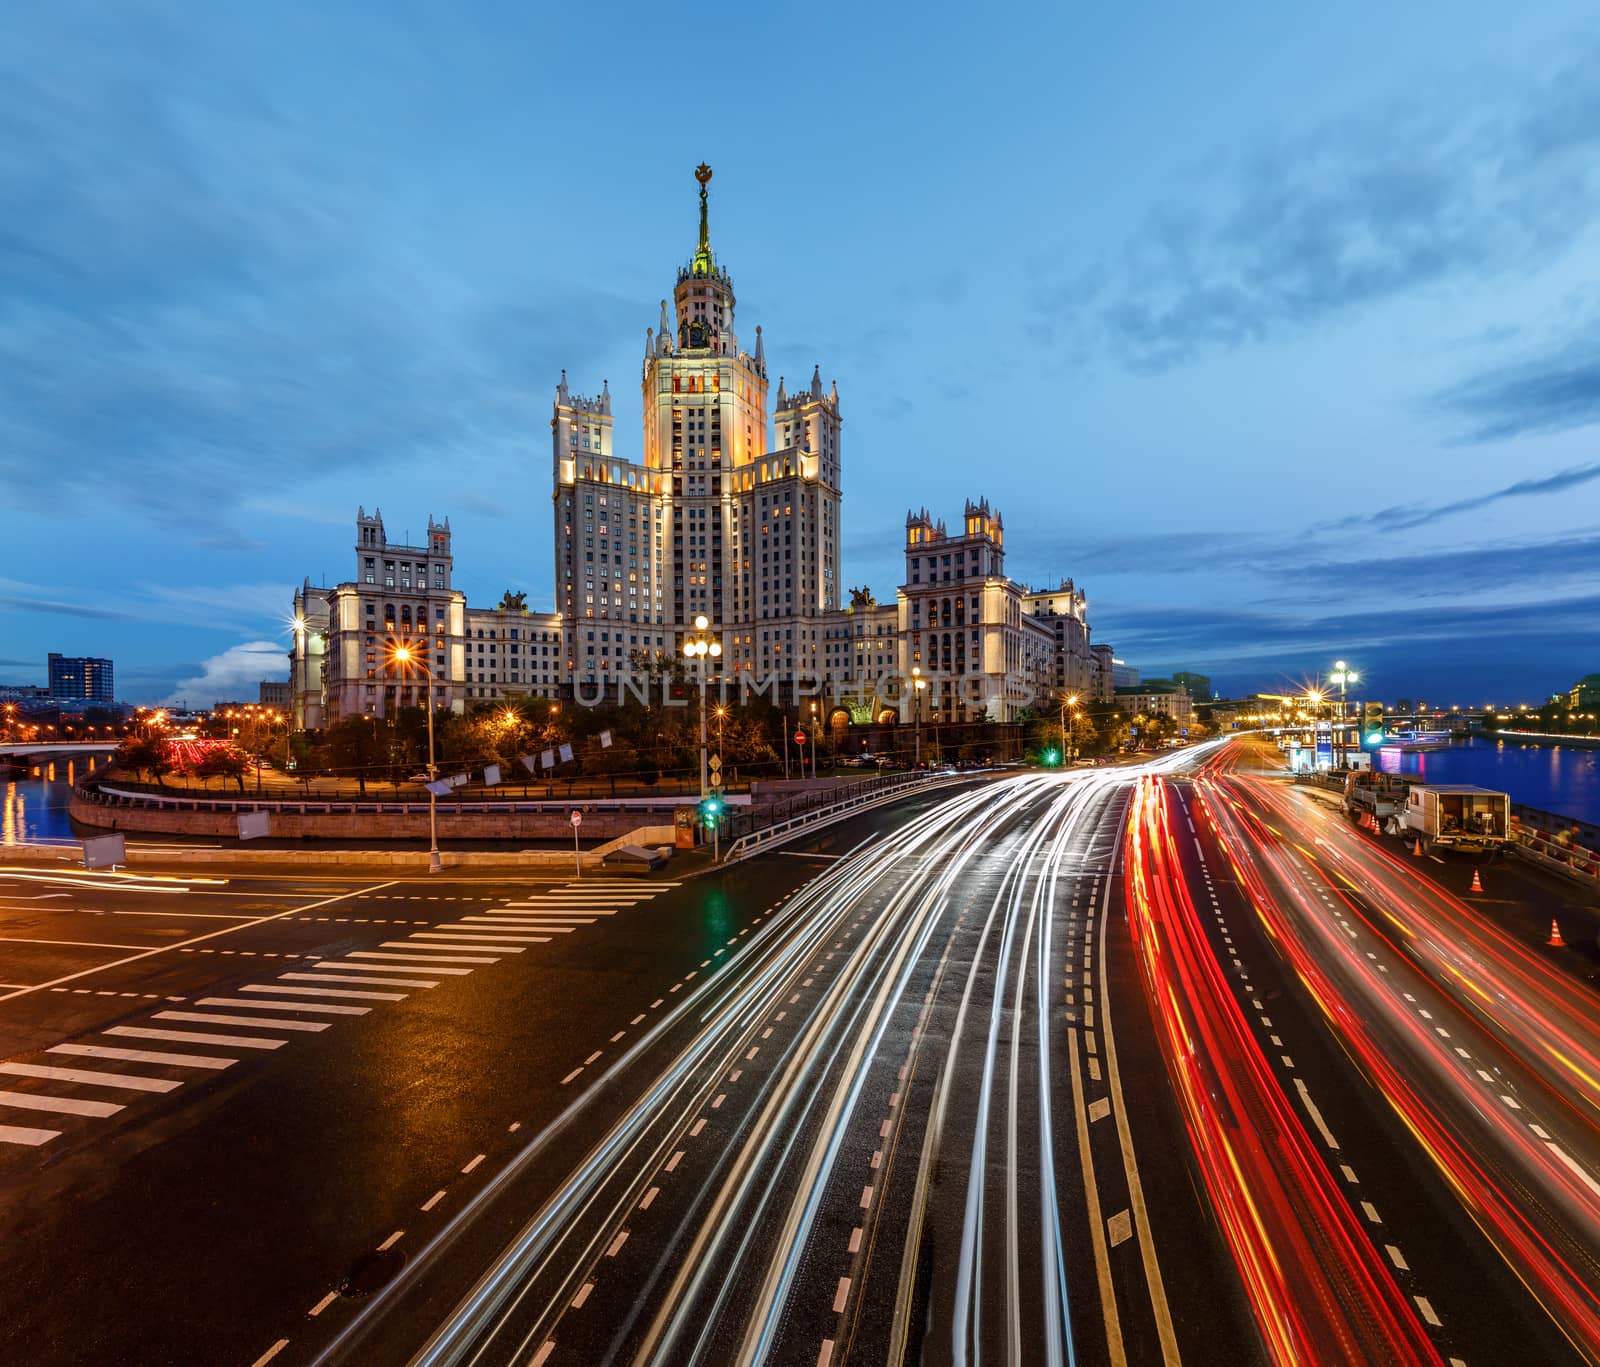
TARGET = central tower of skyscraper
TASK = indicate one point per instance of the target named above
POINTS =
(717, 519)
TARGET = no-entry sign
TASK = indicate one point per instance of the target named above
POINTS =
(576, 818)
(799, 737)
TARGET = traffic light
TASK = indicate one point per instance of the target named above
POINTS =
(710, 811)
(1052, 756)
(1372, 723)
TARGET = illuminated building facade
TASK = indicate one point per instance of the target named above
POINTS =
(712, 520)
(732, 512)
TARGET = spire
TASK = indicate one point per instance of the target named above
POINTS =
(561, 389)
(761, 352)
(605, 396)
(783, 399)
(666, 321)
(833, 394)
(649, 342)
(816, 382)
(703, 261)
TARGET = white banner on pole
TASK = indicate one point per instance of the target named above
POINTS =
(548, 759)
(458, 780)
(441, 787)
(527, 762)
(566, 754)
(491, 775)
(104, 851)
(605, 740)
(254, 825)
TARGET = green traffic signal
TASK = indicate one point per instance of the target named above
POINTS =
(1052, 757)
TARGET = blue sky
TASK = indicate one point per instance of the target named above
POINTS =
(1278, 330)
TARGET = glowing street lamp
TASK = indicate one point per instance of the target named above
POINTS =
(407, 658)
(696, 649)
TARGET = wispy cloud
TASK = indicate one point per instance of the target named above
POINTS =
(1402, 517)
(1551, 392)
(1358, 210)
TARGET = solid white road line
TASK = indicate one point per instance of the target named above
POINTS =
(31, 1101)
(241, 1003)
(443, 970)
(318, 992)
(505, 944)
(263, 1022)
(355, 982)
(419, 954)
(131, 1082)
(21, 1134)
(196, 1037)
(532, 918)
(432, 952)
(142, 1056)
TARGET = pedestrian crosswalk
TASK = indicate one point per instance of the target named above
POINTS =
(186, 1041)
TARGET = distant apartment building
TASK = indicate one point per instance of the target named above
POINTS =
(1583, 696)
(1166, 702)
(1197, 686)
(81, 678)
(274, 695)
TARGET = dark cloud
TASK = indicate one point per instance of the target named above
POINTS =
(1454, 572)
(1328, 221)
(1550, 393)
(1404, 516)
(1529, 647)
(55, 608)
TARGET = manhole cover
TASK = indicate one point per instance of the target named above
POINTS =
(371, 1271)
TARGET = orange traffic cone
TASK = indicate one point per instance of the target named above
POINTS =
(1477, 883)
(1555, 936)
(1416, 848)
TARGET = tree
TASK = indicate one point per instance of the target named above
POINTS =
(141, 755)
(219, 761)
(354, 746)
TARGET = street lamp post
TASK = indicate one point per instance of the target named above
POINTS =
(1071, 751)
(697, 648)
(918, 683)
(405, 656)
(1342, 675)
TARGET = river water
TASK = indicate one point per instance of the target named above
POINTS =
(1555, 778)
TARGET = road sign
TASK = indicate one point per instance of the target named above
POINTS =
(799, 737)
(576, 818)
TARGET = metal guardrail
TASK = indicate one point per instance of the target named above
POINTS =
(105, 796)
(885, 791)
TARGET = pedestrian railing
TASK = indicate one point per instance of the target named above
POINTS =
(883, 790)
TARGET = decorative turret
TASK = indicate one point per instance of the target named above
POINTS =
(605, 397)
(704, 293)
(782, 401)
(761, 352)
(562, 395)
(816, 382)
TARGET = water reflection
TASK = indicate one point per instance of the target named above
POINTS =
(1556, 778)
(33, 810)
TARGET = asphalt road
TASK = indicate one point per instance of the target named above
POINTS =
(900, 1092)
